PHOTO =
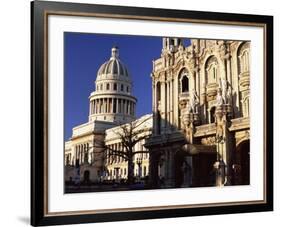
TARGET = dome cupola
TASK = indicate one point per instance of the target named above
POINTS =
(113, 66)
(112, 99)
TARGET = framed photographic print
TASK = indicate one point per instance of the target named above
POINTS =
(142, 113)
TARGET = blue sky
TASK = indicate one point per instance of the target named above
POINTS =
(85, 53)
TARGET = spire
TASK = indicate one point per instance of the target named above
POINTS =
(114, 52)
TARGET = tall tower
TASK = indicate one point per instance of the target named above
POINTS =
(172, 44)
(112, 100)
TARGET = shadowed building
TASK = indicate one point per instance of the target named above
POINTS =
(201, 115)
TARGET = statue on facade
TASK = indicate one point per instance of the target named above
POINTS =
(224, 93)
(224, 90)
(219, 100)
(228, 95)
(193, 102)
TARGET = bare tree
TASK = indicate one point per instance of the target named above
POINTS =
(129, 135)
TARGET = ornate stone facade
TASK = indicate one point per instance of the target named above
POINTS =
(201, 110)
(199, 130)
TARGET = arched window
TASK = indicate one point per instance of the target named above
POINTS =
(212, 70)
(114, 86)
(243, 58)
(183, 81)
(184, 84)
(107, 86)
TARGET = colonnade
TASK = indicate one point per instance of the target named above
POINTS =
(112, 105)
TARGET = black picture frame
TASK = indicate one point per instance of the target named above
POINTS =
(39, 125)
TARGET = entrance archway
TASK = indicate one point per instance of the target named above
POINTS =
(180, 169)
(241, 166)
(194, 170)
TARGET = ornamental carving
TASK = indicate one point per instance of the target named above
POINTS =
(209, 140)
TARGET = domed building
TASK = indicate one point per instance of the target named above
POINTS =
(112, 99)
(111, 104)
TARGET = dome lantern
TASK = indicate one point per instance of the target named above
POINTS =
(114, 52)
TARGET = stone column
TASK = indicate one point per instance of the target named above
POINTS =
(90, 109)
(75, 155)
(171, 102)
(107, 104)
(168, 103)
(117, 105)
(113, 103)
(163, 106)
(153, 168)
(228, 70)
(166, 165)
(124, 106)
(80, 154)
(225, 145)
(121, 105)
(175, 103)
(101, 105)
(170, 178)
(154, 104)
(95, 108)
(197, 79)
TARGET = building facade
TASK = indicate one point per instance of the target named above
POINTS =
(198, 133)
(111, 104)
(116, 166)
(201, 114)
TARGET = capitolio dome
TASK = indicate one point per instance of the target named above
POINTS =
(112, 100)
(114, 66)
